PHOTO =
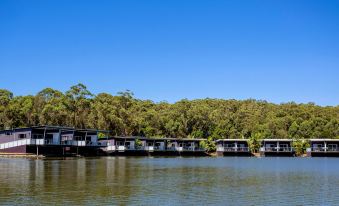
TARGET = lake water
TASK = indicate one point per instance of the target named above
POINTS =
(170, 181)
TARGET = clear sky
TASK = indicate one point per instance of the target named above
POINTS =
(279, 51)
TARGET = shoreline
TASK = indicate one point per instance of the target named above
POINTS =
(212, 154)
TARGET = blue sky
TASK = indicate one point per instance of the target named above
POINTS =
(279, 51)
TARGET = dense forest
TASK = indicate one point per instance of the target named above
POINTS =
(202, 118)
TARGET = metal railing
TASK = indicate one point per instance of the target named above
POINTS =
(153, 148)
(73, 143)
(187, 149)
(233, 149)
(110, 148)
(21, 142)
(324, 149)
(95, 144)
(278, 149)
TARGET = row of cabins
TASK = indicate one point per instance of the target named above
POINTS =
(51, 140)
(61, 141)
(277, 147)
(269, 147)
(152, 146)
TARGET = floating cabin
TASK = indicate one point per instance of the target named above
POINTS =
(152, 146)
(323, 148)
(50, 141)
(233, 147)
(277, 147)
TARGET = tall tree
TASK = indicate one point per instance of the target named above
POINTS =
(77, 101)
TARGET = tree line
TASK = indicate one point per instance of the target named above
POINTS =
(211, 119)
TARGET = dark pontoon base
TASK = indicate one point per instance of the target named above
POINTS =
(15, 150)
(278, 154)
(232, 154)
(157, 153)
(52, 151)
(323, 154)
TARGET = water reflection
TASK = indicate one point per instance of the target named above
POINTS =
(170, 181)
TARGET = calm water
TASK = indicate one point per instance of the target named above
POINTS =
(170, 181)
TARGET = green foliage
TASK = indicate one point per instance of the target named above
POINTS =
(208, 145)
(300, 146)
(254, 142)
(197, 134)
(138, 143)
(101, 135)
(212, 119)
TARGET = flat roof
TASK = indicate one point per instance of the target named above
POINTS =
(324, 140)
(152, 138)
(231, 140)
(64, 128)
(277, 140)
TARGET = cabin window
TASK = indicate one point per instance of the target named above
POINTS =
(66, 137)
(270, 145)
(332, 147)
(318, 145)
(119, 143)
(284, 145)
(78, 138)
(229, 145)
(22, 136)
(38, 136)
(7, 133)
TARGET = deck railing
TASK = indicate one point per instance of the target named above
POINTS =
(21, 142)
(278, 149)
(233, 149)
(111, 148)
(153, 148)
(95, 144)
(73, 143)
(187, 149)
(324, 149)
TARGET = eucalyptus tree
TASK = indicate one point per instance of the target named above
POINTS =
(77, 101)
(211, 119)
(50, 108)
(5, 99)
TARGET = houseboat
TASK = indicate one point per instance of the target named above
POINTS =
(125, 145)
(185, 146)
(233, 147)
(323, 148)
(50, 141)
(152, 146)
(277, 147)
